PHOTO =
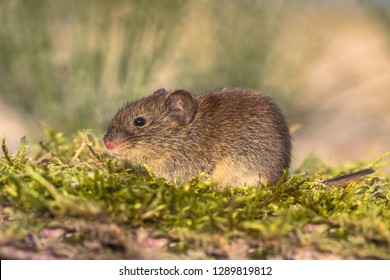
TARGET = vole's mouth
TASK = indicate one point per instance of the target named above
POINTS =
(114, 152)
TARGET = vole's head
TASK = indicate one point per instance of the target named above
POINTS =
(140, 129)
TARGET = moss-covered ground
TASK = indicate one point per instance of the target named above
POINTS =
(67, 199)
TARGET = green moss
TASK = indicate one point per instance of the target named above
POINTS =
(66, 198)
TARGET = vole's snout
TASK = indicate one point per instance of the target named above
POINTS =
(109, 143)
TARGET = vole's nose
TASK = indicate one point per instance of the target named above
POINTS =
(109, 143)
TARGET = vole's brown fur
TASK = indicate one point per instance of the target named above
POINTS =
(237, 136)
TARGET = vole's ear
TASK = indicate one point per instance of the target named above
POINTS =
(182, 106)
(160, 91)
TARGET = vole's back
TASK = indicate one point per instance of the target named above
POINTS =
(237, 136)
(249, 137)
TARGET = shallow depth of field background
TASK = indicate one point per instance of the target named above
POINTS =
(71, 64)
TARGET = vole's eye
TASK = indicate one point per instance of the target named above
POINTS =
(139, 121)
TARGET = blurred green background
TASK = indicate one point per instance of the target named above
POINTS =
(72, 64)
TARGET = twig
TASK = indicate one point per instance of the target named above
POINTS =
(5, 151)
